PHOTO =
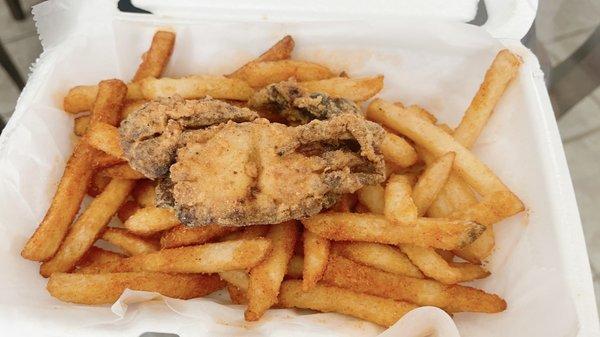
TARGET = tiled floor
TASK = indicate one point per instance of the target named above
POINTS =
(561, 27)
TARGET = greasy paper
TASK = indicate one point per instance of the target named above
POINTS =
(434, 64)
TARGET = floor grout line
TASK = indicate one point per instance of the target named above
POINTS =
(564, 36)
(581, 135)
(20, 37)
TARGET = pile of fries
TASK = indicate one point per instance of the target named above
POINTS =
(375, 255)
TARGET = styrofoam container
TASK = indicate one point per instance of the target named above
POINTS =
(540, 263)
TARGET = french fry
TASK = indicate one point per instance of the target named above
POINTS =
(106, 288)
(96, 256)
(398, 204)
(377, 255)
(121, 171)
(236, 295)
(343, 273)
(431, 182)
(436, 141)
(491, 209)
(345, 204)
(238, 278)
(354, 89)
(145, 193)
(45, 241)
(131, 106)
(398, 151)
(249, 232)
(103, 160)
(196, 86)
(424, 114)
(427, 232)
(435, 267)
(156, 58)
(502, 70)
(295, 267)
(266, 277)
(127, 209)
(128, 242)
(104, 137)
(479, 249)
(151, 220)
(86, 229)
(282, 50)
(81, 98)
(316, 255)
(447, 255)
(80, 125)
(260, 74)
(182, 235)
(373, 197)
(97, 184)
(382, 311)
(360, 208)
(206, 258)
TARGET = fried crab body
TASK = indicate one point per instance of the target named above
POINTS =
(255, 172)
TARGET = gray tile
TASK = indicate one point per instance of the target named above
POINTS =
(11, 29)
(559, 18)
(583, 156)
(559, 50)
(23, 52)
(582, 118)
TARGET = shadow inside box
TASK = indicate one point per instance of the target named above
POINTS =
(158, 334)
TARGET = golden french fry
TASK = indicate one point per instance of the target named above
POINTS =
(121, 171)
(345, 204)
(83, 232)
(282, 50)
(238, 278)
(377, 255)
(344, 273)
(398, 204)
(266, 277)
(236, 295)
(131, 106)
(196, 86)
(206, 258)
(502, 70)
(249, 232)
(493, 208)
(478, 250)
(260, 74)
(104, 137)
(398, 151)
(76, 177)
(145, 193)
(431, 182)
(130, 243)
(316, 255)
(81, 98)
(373, 197)
(97, 184)
(127, 209)
(103, 160)
(151, 220)
(436, 141)
(80, 125)
(106, 288)
(354, 89)
(295, 267)
(96, 256)
(435, 267)
(156, 58)
(426, 115)
(427, 232)
(447, 255)
(382, 311)
(182, 235)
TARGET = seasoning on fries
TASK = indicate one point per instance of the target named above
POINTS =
(386, 203)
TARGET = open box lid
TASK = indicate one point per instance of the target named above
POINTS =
(506, 19)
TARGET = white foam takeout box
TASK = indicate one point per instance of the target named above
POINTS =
(428, 55)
